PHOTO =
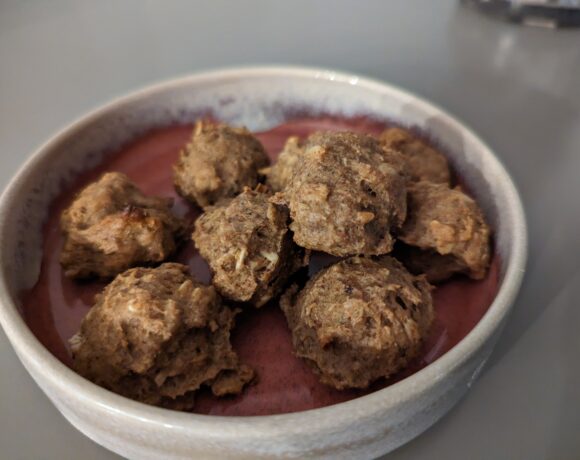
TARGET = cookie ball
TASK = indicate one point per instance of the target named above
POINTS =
(359, 320)
(248, 247)
(112, 226)
(217, 163)
(156, 335)
(423, 161)
(346, 197)
(279, 174)
(447, 233)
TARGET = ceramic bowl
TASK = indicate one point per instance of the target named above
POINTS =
(259, 98)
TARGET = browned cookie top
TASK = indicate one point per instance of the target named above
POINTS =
(278, 175)
(423, 161)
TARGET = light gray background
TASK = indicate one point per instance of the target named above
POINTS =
(518, 88)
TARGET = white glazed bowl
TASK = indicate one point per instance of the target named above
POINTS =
(259, 98)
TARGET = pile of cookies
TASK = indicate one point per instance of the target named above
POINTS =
(384, 206)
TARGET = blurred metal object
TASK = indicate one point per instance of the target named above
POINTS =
(540, 13)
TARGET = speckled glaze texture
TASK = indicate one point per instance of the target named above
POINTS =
(258, 98)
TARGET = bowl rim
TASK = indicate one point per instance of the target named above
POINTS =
(31, 350)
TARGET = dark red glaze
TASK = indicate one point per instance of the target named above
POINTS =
(54, 308)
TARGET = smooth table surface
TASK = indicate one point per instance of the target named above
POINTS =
(519, 88)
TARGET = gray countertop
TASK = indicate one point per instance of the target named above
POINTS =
(519, 88)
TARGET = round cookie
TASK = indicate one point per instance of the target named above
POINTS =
(156, 335)
(359, 320)
(346, 196)
(217, 163)
(112, 226)
(248, 247)
(447, 233)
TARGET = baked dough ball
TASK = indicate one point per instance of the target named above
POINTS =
(278, 175)
(346, 196)
(359, 320)
(447, 233)
(112, 226)
(156, 335)
(248, 247)
(217, 163)
(423, 162)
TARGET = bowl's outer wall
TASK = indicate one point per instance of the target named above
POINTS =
(259, 99)
(370, 438)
